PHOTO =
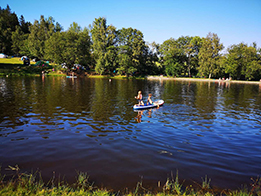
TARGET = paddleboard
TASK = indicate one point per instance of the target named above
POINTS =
(142, 107)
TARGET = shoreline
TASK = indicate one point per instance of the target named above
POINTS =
(202, 80)
(160, 78)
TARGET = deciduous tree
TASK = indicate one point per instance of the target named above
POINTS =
(104, 39)
(41, 31)
(192, 49)
(243, 62)
(209, 55)
(70, 47)
(173, 57)
(132, 51)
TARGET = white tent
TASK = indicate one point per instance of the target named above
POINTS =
(23, 57)
(3, 55)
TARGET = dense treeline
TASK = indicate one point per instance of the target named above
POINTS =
(124, 51)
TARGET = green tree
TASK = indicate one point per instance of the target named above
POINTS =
(192, 49)
(173, 56)
(55, 46)
(180, 56)
(24, 25)
(5, 38)
(209, 56)
(36, 40)
(104, 38)
(41, 31)
(84, 48)
(18, 38)
(185, 49)
(75, 27)
(8, 23)
(70, 51)
(125, 64)
(70, 47)
(155, 50)
(152, 56)
(243, 62)
(132, 51)
(25, 49)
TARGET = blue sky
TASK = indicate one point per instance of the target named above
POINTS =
(234, 21)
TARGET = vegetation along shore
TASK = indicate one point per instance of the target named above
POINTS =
(14, 67)
(110, 51)
(32, 184)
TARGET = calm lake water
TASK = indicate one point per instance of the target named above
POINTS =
(62, 125)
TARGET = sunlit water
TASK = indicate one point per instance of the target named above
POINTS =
(62, 125)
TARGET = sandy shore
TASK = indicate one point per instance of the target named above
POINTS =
(201, 80)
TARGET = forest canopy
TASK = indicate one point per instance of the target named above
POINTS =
(112, 51)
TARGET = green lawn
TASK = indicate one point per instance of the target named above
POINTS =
(15, 60)
(15, 67)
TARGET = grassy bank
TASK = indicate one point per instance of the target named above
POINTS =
(15, 67)
(32, 184)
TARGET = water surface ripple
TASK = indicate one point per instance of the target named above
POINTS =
(69, 125)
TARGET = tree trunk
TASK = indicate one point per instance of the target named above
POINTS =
(209, 76)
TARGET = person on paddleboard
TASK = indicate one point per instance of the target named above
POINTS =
(139, 98)
(149, 101)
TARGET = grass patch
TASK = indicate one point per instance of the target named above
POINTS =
(15, 60)
(15, 67)
(32, 184)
